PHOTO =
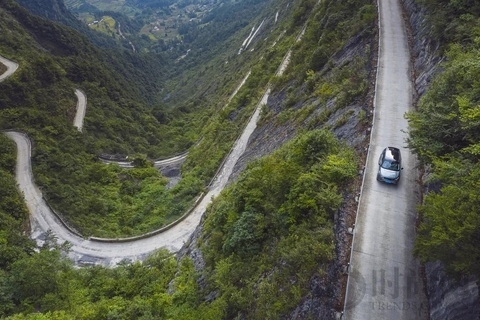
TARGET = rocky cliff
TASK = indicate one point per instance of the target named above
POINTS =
(448, 298)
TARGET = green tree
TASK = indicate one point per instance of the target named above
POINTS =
(450, 228)
(33, 278)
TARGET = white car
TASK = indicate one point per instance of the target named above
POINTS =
(389, 165)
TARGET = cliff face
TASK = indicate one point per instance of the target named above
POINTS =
(448, 298)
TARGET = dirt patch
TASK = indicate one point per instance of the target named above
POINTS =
(3, 68)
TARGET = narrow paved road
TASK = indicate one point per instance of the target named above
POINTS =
(385, 280)
(81, 109)
(11, 68)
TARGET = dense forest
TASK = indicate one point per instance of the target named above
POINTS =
(445, 136)
(56, 11)
(39, 99)
(142, 74)
(280, 209)
(249, 231)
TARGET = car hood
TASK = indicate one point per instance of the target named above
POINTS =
(389, 174)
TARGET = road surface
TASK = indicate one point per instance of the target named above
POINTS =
(81, 109)
(11, 68)
(384, 279)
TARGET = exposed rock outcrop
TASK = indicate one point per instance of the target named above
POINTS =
(450, 298)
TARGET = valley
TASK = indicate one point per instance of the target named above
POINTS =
(224, 168)
(162, 21)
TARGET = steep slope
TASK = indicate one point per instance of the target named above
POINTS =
(55, 10)
(116, 123)
(332, 94)
(146, 79)
(233, 250)
(72, 59)
(214, 44)
(38, 99)
(324, 88)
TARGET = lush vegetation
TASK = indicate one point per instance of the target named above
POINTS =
(140, 75)
(265, 238)
(213, 66)
(13, 211)
(314, 76)
(36, 280)
(452, 21)
(281, 209)
(55, 10)
(444, 134)
(39, 99)
(109, 201)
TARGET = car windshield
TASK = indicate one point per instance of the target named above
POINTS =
(391, 165)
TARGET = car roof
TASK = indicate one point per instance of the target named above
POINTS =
(392, 153)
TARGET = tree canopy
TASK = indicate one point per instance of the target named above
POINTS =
(444, 134)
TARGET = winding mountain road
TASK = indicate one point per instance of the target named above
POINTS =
(85, 251)
(385, 281)
(110, 253)
(11, 68)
